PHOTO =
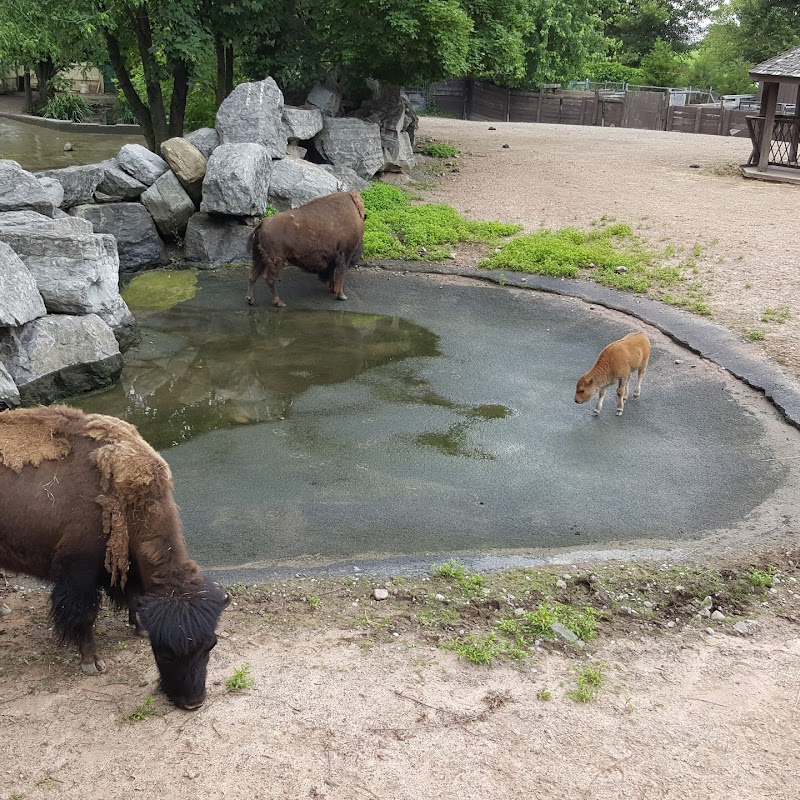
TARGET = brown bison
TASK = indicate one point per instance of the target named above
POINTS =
(325, 236)
(87, 504)
(614, 365)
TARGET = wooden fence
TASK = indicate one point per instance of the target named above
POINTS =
(476, 100)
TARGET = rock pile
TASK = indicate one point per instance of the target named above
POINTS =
(65, 234)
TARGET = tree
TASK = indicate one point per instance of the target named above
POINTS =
(717, 63)
(766, 27)
(662, 66)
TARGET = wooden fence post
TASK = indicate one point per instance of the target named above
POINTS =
(698, 119)
(670, 123)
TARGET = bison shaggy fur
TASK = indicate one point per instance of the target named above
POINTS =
(87, 504)
(325, 236)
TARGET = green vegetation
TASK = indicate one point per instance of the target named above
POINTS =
(68, 106)
(535, 624)
(778, 314)
(142, 712)
(439, 150)
(397, 229)
(313, 602)
(755, 334)
(544, 694)
(589, 680)
(240, 679)
(470, 583)
(160, 289)
(269, 211)
(761, 577)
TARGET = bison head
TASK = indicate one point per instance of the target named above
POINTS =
(181, 626)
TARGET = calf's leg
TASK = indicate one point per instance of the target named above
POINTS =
(601, 395)
(622, 394)
(640, 379)
(336, 284)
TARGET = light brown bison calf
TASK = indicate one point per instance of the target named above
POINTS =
(325, 236)
(615, 365)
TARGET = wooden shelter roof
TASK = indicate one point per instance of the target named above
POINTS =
(784, 67)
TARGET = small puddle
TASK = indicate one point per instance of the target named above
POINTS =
(198, 370)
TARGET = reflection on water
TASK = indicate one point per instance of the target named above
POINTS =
(198, 370)
(37, 148)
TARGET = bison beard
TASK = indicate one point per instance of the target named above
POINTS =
(87, 504)
(325, 236)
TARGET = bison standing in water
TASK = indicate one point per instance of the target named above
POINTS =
(87, 504)
(325, 236)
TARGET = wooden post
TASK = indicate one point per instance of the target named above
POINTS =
(795, 128)
(698, 119)
(539, 107)
(670, 119)
(720, 124)
(598, 109)
(769, 101)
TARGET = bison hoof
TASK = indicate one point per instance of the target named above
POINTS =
(619, 412)
(595, 413)
(341, 296)
(279, 304)
(94, 667)
(250, 301)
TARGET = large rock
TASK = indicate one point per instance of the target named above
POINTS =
(351, 143)
(212, 240)
(206, 140)
(76, 270)
(188, 164)
(348, 178)
(169, 205)
(327, 100)
(301, 123)
(79, 182)
(55, 191)
(138, 242)
(252, 113)
(60, 356)
(141, 163)
(237, 180)
(294, 183)
(20, 301)
(117, 183)
(19, 190)
(9, 394)
(123, 324)
(398, 154)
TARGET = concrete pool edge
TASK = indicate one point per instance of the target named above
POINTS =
(708, 339)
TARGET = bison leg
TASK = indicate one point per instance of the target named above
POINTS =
(255, 273)
(622, 395)
(270, 277)
(336, 284)
(601, 395)
(639, 381)
(74, 603)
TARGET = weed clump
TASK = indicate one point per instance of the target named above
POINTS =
(439, 150)
(240, 679)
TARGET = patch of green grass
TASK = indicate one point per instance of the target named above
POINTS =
(761, 577)
(779, 314)
(160, 290)
(437, 616)
(439, 150)
(693, 300)
(313, 602)
(395, 228)
(269, 211)
(485, 649)
(755, 334)
(589, 680)
(697, 250)
(240, 679)
(470, 583)
(535, 624)
(544, 694)
(67, 106)
(141, 712)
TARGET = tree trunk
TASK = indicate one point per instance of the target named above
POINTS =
(140, 110)
(228, 70)
(224, 68)
(140, 21)
(26, 82)
(180, 91)
(45, 72)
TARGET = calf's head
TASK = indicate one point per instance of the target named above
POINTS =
(181, 628)
(585, 389)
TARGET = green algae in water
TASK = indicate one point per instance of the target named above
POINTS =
(160, 290)
(491, 411)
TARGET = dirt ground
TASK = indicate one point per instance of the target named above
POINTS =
(356, 698)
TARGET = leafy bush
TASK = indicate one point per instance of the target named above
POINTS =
(439, 150)
(71, 107)
(396, 229)
(201, 107)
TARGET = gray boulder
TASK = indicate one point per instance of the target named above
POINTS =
(116, 183)
(141, 163)
(169, 205)
(60, 356)
(301, 123)
(126, 329)
(206, 140)
(9, 394)
(398, 154)
(76, 270)
(188, 164)
(55, 191)
(212, 240)
(294, 183)
(348, 178)
(138, 242)
(20, 301)
(252, 113)
(19, 190)
(79, 182)
(237, 180)
(327, 100)
(351, 143)
(295, 151)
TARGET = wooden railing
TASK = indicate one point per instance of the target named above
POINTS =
(785, 137)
